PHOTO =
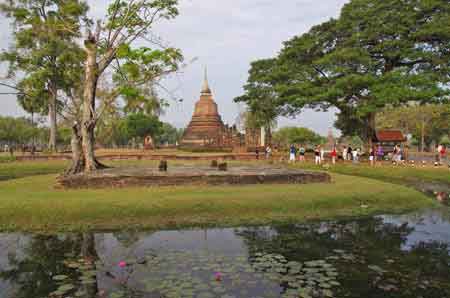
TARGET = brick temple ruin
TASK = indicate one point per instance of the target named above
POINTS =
(206, 129)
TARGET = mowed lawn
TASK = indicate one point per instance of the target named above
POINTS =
(14, 170)
(32, 204)
(402, 174)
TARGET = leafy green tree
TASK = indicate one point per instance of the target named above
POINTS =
(19, 131)
(139, 126)
(260, 96)
(109, 45)
(297, 135)
(64, 136)
(377, 54)
(445, 140)
(168, 134)
(44, 53)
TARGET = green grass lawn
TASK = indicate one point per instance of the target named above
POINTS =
(14, 170)
(32, 203)
(389, 173)
(28, 200)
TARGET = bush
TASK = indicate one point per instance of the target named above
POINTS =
(445, 140)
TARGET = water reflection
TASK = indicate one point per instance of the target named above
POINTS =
(383, 256)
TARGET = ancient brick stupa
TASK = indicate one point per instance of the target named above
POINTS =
(206, 128)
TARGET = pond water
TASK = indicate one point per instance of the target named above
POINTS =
(382, 256)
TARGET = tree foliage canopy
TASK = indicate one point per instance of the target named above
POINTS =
(297, 135)
(376, 54)
(44, 54)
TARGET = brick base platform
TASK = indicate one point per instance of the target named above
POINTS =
(184, 175)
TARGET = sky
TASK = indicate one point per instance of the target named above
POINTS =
(225, 36)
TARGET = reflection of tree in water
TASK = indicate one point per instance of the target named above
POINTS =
(44, 256)
(90, 255)
(424, 269)
(32, 275)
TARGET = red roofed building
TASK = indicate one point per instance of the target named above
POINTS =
(388, 139)
(389, 136)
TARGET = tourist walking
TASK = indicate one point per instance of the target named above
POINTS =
(257, 153)
(333, 155)
(443, 153)
(344, 153)
(268, 152)
(355, 155)
(380, 153)
(322, 154)
(397, 155)
(349, 153)
(302, 152)
(372, 156)
(292, 153)
(317, 160)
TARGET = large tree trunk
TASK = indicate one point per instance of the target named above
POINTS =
(77, 165)
(52, 117)
(88, 122)
(269, 135)
(371, 126)
(422, 136)
(88, 116)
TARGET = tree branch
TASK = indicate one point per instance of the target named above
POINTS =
(321, 72)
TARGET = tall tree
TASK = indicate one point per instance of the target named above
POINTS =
(377, 54)
(110, 45)
(44, 53)
(260, 95)
(139, 125)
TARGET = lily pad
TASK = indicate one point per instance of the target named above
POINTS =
(59, 277)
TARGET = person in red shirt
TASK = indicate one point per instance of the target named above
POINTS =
(442, 152)
(333, 155)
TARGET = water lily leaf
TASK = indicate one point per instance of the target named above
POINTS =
(327, 293)
(73, 265)
(80, 294)
(65, 288)
(59, 277)
(377, 269)
(118, 294)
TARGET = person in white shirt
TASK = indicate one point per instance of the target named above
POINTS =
(355, 155)
(268, 152)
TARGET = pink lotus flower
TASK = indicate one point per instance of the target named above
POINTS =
(122, 264)
(218, 276)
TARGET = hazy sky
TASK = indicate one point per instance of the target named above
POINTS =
(226, 36)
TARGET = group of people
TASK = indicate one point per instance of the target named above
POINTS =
(348, 154)
(353, 153)
(293, 151)
(319, 154)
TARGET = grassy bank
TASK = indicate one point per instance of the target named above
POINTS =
(389, 173)
(14, 170)
(33, 204)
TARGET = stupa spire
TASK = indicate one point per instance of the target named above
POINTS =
(205, 86)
